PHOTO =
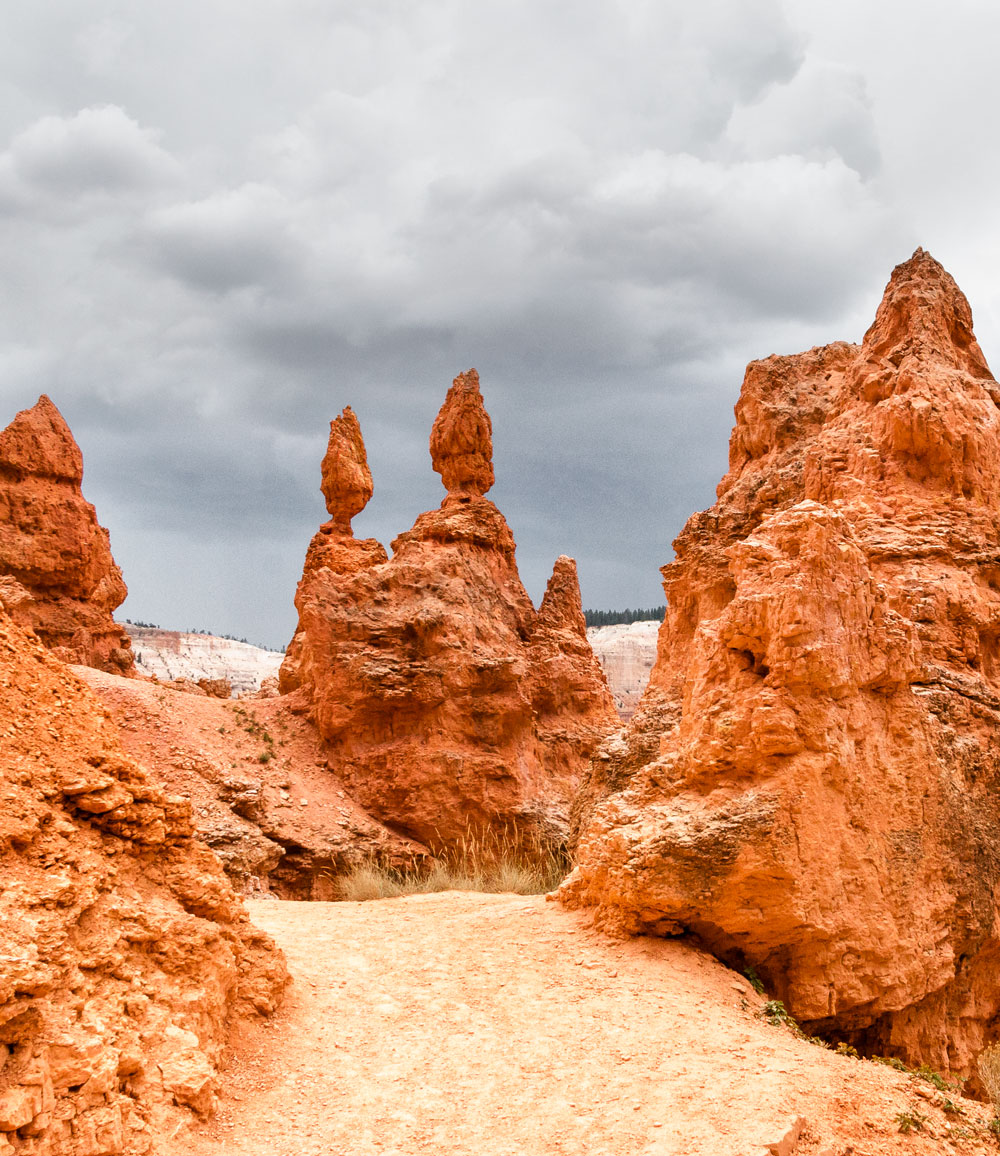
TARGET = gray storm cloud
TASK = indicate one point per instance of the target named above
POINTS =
(216, 233)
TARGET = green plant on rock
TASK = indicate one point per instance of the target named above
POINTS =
(911, 1121)
(922, 1073)
(755, 981)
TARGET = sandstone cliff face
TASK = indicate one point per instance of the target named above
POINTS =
(811, 781)
(626, 652)
(448, 703)
(51, 543)
(171, 654)
(125, 953)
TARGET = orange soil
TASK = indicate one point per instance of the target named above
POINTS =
(462, 1023)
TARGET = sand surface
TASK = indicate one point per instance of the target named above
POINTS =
(468, 1024)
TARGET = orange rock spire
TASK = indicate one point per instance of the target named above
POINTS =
(462, 439)
(811, 783)
(347, 480)
(449, 704)
(51, 543)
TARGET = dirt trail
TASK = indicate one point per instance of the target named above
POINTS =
(491, 1025)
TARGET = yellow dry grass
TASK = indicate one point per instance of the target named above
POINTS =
(492, 862)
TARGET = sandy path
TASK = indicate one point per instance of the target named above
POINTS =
(478, 1024)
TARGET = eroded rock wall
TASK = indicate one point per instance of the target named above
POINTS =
(449, 704)
(125, 955)
(51, 543)
(811, 783)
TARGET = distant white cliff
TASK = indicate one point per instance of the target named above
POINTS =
(171, 654)
(627, 653)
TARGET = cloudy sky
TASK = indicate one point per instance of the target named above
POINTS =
(221, 222)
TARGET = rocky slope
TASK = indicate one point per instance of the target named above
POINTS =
(126, 958)
(811, 783)
(257, 776)
(448, 702)
(172, 654)
(52, 546)
(626, 653)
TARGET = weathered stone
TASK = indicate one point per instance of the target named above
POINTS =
(462, 440)
(449, 704)
(810, 784)
(347, 480)
(51, 543)
(119, 929)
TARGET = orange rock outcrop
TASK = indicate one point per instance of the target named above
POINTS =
(125, 954)
(811, 784)
(51, 543)
(448, 703)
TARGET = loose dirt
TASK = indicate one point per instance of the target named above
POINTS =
(462, 1023)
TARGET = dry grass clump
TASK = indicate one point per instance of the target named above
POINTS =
(488, 861)
(988, 1063)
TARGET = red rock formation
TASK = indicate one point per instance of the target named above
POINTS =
(462, 440)
(255, 773)
(449, 704)
(811, 781)
(125, 955)
(51, 543)
(347, 480)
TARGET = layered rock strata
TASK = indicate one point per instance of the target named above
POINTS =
(811, 783)
(450, 705)
(172, 654)
(626, 652)
(51, 543)
(126, 956)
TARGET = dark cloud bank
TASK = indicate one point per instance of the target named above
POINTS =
(216, 235)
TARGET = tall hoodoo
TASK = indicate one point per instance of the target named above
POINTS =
(449, 704)
(334, 551)
(462, 440)
(51, 543)
(347, 480)
(811, 781)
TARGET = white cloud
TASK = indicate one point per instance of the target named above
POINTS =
(823, 112)
(97, 150)
(231, 239)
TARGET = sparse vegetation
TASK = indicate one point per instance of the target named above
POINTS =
(492, 862)
(911, 1121)
(265, 756)
(614, 617)
(921, 1073)
(754, 979)
(254, 728)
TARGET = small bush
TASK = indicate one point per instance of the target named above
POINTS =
(265, 756)
(911, 1121)
(755, 981)
(488, 862)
